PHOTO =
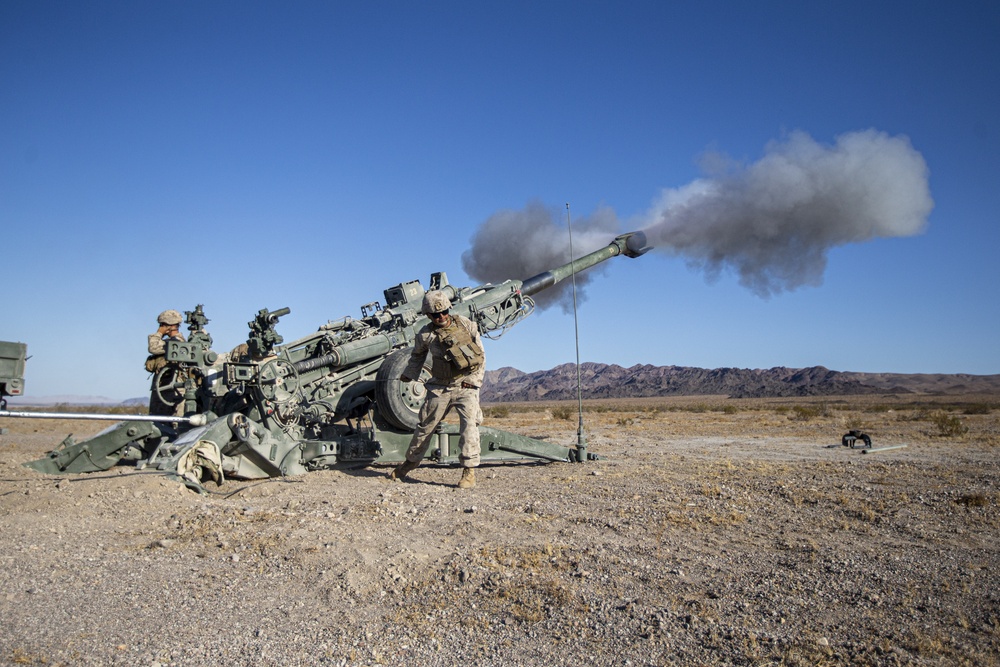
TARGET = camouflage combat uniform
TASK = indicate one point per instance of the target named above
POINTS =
(447, 388)
(158, 345)
(156, 360)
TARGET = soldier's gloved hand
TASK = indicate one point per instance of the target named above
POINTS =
(405, 378)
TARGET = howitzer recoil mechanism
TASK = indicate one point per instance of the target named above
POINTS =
(270, 409)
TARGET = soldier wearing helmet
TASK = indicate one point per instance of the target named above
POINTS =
(457, 368)
(169, 321)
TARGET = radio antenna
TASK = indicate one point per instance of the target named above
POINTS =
(581, 438)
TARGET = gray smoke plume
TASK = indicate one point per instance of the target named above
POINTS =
(521, 244)
(772, 221)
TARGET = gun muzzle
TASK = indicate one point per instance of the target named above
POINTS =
(632, 244)
(635, 244)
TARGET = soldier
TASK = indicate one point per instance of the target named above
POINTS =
(457, 369)
(169, 321)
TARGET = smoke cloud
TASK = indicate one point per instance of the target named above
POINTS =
(772, 222)
(521, 244)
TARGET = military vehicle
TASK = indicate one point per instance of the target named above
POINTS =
(12, 358)
(271, 408)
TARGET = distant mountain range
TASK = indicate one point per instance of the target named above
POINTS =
(612, 381)
(48, 401)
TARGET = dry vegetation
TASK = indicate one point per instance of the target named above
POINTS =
(712, 532)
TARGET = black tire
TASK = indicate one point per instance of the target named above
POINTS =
(399, 402)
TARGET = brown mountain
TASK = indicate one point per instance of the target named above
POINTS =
(643, 380)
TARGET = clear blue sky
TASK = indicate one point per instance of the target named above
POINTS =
(245, 155)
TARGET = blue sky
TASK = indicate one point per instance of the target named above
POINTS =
(245, 155)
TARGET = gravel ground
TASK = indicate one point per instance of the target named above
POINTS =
(712, 533)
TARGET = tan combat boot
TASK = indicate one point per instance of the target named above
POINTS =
(402, 470)
(468, 478)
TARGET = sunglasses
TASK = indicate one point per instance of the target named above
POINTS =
(434, 316)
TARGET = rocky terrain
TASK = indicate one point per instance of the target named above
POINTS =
(713, 532)
(603, 381)
(613, 381)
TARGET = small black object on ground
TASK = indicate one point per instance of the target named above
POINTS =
(851, 438)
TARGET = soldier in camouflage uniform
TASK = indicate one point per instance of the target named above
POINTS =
(169, 321)
(457, 368)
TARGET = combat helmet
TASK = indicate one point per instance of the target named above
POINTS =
(169, 317)
(435, 301)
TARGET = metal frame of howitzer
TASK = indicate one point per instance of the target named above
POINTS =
(12, 358)
(329, 398)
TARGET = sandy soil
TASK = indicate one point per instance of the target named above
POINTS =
(713, 532)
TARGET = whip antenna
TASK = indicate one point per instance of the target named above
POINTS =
(581, 438)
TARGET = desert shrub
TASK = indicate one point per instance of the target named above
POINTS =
(496, 412)
(729, 409)
(563, 413)
(804, 413)
(128, 409)
(917, 415)
(117, 409)
(974, 500)
(949, 425)
(978, 409)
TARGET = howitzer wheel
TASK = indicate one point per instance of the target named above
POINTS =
(399, 402)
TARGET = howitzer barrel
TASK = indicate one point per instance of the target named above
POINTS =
(194, 420)
(632, 244)
(349, 353)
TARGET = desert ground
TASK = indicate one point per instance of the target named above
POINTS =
(712, 532)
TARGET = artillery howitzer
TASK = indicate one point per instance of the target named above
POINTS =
(12, 358)
(271, 409)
